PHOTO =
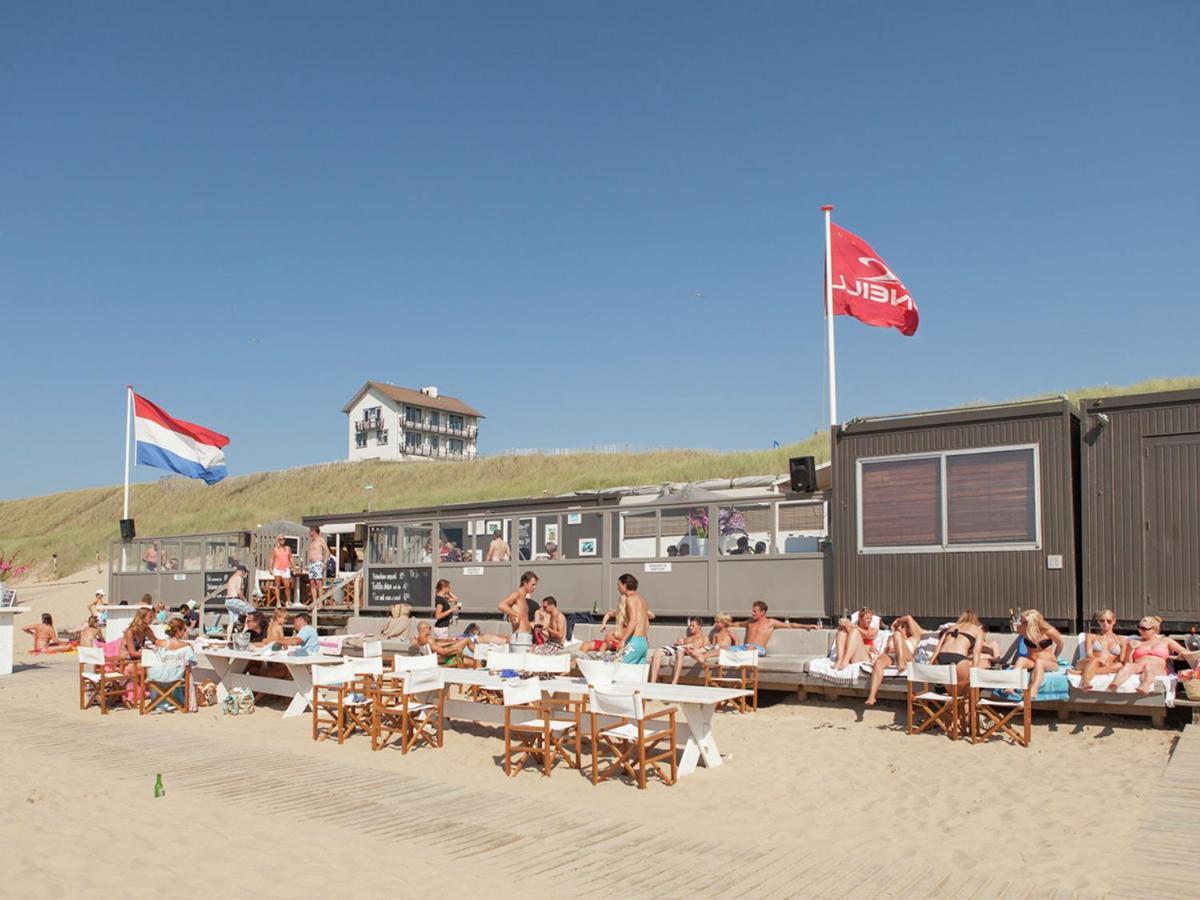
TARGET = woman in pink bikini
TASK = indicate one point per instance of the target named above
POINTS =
(1149, 657)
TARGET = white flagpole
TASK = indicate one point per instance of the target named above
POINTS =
(833, 416)
(128, 427)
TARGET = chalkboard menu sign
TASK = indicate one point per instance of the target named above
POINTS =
(387, 585)
(215, 581)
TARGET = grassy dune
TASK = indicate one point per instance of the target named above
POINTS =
(77, 524)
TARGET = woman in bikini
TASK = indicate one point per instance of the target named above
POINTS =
(1103, 652)
(856, 640)
(961, 646)
(1149, 657)
(901, 649)
(1043, 644)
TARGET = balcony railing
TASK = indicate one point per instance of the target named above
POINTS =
(466, 432)
(437, 452)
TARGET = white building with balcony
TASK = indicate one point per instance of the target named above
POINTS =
(390, 422)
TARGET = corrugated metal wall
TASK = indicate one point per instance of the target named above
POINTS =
(938, 586)
(1120, 461)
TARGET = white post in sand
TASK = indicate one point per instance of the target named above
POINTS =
(6, 636)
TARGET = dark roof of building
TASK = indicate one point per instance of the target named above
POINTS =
(961, 416)
(1135, 401)
(415, 398)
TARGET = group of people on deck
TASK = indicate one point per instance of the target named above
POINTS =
(965, 645)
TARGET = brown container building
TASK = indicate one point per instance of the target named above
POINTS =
(976, 509)
(1141, 505)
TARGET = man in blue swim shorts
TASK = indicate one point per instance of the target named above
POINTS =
(637, 621)
(759, 628)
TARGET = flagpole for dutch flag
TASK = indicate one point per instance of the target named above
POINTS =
(833, 416)
(128, 441)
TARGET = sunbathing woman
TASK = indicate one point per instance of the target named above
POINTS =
(43, 634)
(1149, 657)
(856, 640)
(1043, 643)
(92, 635)
(900, 650)
(961, 646)
(1103, 652)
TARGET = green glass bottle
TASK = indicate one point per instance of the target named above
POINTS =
(159, 790)
(595, 607)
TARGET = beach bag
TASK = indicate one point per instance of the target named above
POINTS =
(238, 702)
(206, 693)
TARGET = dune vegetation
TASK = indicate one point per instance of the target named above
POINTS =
(79, 524)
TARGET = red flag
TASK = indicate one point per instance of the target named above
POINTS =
(864, 286)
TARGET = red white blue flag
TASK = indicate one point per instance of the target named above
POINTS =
(175, 445)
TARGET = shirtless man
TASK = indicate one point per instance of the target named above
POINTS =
(516, 608)
(318, 553)
(693, 639)
(551, 625)
(425, 642)
(498, 549)
(150, 558)
(281, 569)
(43, 634)
(759, 628)
(637, 621)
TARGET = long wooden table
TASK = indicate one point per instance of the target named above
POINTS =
(697, 703)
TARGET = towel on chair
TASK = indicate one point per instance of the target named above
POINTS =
(824, 670)
(1164, 683)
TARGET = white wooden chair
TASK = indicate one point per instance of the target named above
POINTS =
(743, 666)
(598, 672)
(154, 694)
(636, 744)
(933, 708)
(501, 659)
(99, 687)
(556, 664)
(991, 715)
(631, 673)
(411, 705)
(341, 701)
(543, 738)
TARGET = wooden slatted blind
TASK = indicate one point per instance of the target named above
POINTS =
(901, 502)
(990, 497)
(801, 517)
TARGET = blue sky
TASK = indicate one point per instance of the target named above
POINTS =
(598, 223)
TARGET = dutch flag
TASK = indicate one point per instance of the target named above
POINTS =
(176, 445)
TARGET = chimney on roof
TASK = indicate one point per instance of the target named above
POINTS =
(430, 391)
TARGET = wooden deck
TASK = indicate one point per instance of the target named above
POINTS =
(1166, 853)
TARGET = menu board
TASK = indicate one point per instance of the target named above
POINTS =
(215, 581)
(387, 585)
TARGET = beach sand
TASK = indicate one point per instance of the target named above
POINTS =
(816, 799)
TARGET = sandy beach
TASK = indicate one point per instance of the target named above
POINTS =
(816, 799)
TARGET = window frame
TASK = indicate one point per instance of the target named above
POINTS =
(946, 546)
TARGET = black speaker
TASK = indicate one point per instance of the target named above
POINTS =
(245, 540)
(803, 470)
(360, 533)
(127, 530)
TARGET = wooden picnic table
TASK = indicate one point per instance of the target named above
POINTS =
(229, 666)
(697, 703)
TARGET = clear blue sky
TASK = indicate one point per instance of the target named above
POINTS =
(520, 203)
